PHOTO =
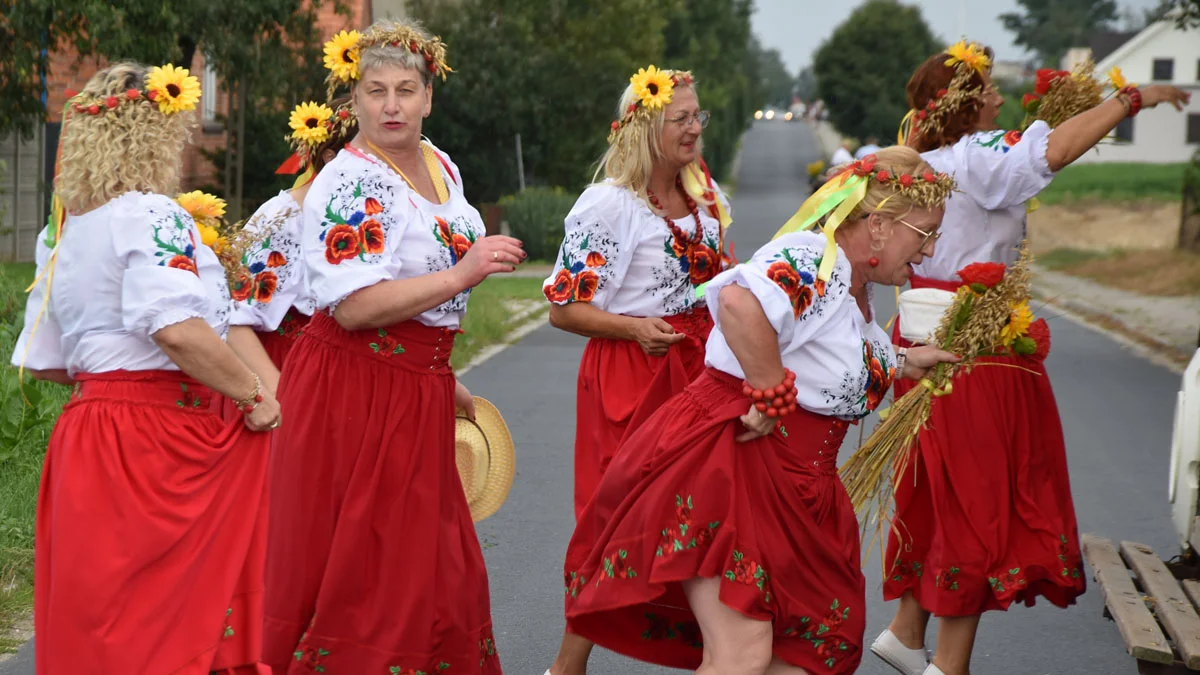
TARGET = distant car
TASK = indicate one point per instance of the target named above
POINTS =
(769, 114)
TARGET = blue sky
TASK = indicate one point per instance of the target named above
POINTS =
(797, 27)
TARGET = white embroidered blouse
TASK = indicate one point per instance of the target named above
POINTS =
(125, 271)
(277, 269)
(997, 172)
(844, 363)
(363, 224)
(622, 258)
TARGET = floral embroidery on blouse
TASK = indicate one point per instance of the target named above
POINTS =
(660, 627)
(829, 647)
(861, 391)
(750, 573)
(586, 258)
(1000, 141)
(176, 242)
(453, 241)
(794, 271)
(268, 265)
(455, 238)
(352, 227)
(684, 535)
(683, 268)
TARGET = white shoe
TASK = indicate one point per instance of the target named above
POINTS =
(933, 670)
(908, 661)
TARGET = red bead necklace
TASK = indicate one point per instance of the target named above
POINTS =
(678, 233)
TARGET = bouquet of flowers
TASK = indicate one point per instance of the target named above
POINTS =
(1059, 95)
(989, 316)
(235, 244)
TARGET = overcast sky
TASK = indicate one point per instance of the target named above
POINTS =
(797, 27)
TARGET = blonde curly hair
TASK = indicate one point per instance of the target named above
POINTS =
(630, 157)
(131, 148)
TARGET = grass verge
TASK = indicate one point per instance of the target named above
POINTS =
(494, 311)
(1165, 273)
(1116, 182)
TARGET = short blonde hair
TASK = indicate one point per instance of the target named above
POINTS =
(630, 158)
(131, 148)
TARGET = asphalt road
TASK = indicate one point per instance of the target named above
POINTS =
(1116, 409)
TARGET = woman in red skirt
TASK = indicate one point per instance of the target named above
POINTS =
(151, 509)
(984, 516)
(373, 564)
(720, 538)
(636, 247)
(273, 303)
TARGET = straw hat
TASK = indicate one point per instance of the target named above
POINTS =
(483, 450)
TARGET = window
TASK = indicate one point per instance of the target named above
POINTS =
(1164, 70)
(208, 91)
(1193, 128)
(1125, 130)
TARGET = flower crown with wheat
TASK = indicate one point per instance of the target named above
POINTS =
(654, 89)
(968, 59)
(343, 50)
(168, 89)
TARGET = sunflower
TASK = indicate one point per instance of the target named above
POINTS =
(1019, 318)
(204, 208)
(209, 235)
(653, 86)
(309, 122)
(970, 54)
(1117, 79)
(341, 55)
(173, 89)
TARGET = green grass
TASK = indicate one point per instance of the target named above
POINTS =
(26, 418)
(489, 320)
(1063, 258)
(1116, 182)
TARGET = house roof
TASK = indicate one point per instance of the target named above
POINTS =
(1147, 34)
(1103, 43)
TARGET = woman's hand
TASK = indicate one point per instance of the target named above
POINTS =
(1154, 94)
(496, 254)
(265, 415)
(921, 359)
(654, 335)
(757, 425)
(463, 400)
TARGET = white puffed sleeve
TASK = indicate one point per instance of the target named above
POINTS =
(39, 347)
(1001, 169)
(354, 219)
(782, 275)
(595, 251)
(156, 241)
(275, 265)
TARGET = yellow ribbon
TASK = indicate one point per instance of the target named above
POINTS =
(905, 128)
(305, 177)
(431, 165)
(838, 196)
(695, 182)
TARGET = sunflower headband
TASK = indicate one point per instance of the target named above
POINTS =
(967, 59)
(654, 88)
(343, 50)
(837, 199)
(312, 125)
(171, 89)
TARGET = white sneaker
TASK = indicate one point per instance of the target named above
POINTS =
(908, 661)
(933, 670)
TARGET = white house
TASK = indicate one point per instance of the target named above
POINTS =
(1159, 54)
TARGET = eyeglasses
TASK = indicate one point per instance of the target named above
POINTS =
(927, 237)
(702, 117)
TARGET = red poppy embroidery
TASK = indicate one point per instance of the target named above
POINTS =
(182, 262)
(242, 286)
(341, 243)
(265, 283)
(461, 245)
(595, 259)
(371, 235)
(1012, 138)
(586, 283)
(703, 264)
(562, 289)
(878, 380)
(276, 259)
(371, 206)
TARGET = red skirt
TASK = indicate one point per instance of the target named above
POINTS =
(278, 343)
(620, 386)
(151, 531)
(984, 516)
(373, 563)
(683, 500)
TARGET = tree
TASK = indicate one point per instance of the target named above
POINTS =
(806, 84)
(862, 67)
(1050, 27)
(1186, 13)
(777, 82)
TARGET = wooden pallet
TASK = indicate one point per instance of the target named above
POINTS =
(1156, 613)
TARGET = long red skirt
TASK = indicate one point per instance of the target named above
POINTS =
(984, 516)
(151, 532)
(373, 563)
(278, 343)
(620, 386)
(682, 500)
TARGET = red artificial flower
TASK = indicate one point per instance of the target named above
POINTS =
(182, 262)
(632, 107)
(561, 289)
(265, 283)
(341, 243)
(986, 274)
(596, 259)
(152, 95)
(371, 235)
(883, 176)
(111, 102)
(371, 206)
(586, 283)
(932, 105)
(703, 264)
(615, 125)
(921, 114)
(93, 109)
(929, 177)
(132, 94)
(344, 114)
(1012, 138)
(1039, 332)
(70, 93)
(1028, 101)
(461, 245)
(276, 259)
(942, 92)
(906, 180)
(1046, 78)
(242, 286)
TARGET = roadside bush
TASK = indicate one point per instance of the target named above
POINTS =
(536, 216)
